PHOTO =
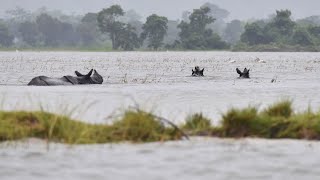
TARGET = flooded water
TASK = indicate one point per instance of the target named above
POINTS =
(196, 159)
(161, 82)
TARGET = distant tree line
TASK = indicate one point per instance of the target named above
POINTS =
(281, 32)
(205, 28)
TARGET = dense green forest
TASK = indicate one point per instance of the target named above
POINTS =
(113, 28)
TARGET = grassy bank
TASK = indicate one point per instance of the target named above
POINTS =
(276, 121)
(134, 126)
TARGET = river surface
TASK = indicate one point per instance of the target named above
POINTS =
(160, 82)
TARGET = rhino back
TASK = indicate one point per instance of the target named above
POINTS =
(38, 81)
(47, 81)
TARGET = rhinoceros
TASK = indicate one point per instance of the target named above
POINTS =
(93, 77)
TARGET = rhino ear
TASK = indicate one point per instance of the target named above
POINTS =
(78, 74)
(89, 74)
(238, 71)
(202, 72)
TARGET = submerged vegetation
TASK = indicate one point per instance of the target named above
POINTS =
(276, 121)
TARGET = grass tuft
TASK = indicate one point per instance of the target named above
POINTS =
(140, 126)
(197, 123)
(281, 109)
(235, 123)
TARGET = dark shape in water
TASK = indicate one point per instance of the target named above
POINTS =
(197, 71)
(244, 74)
(89, 78)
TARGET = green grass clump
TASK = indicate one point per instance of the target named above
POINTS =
(134, 127)
(237, 122)
(197, 124)
(20, 124)
(302, 126)
(276, 121)
(280, 109)
(140, 126)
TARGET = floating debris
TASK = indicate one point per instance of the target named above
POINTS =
(258, 60)
(274, 80)
(231, 61)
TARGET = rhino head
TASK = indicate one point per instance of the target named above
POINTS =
(197, 71)
(93, 77)
(244, 74)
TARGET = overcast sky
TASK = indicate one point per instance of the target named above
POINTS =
(239, 9)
